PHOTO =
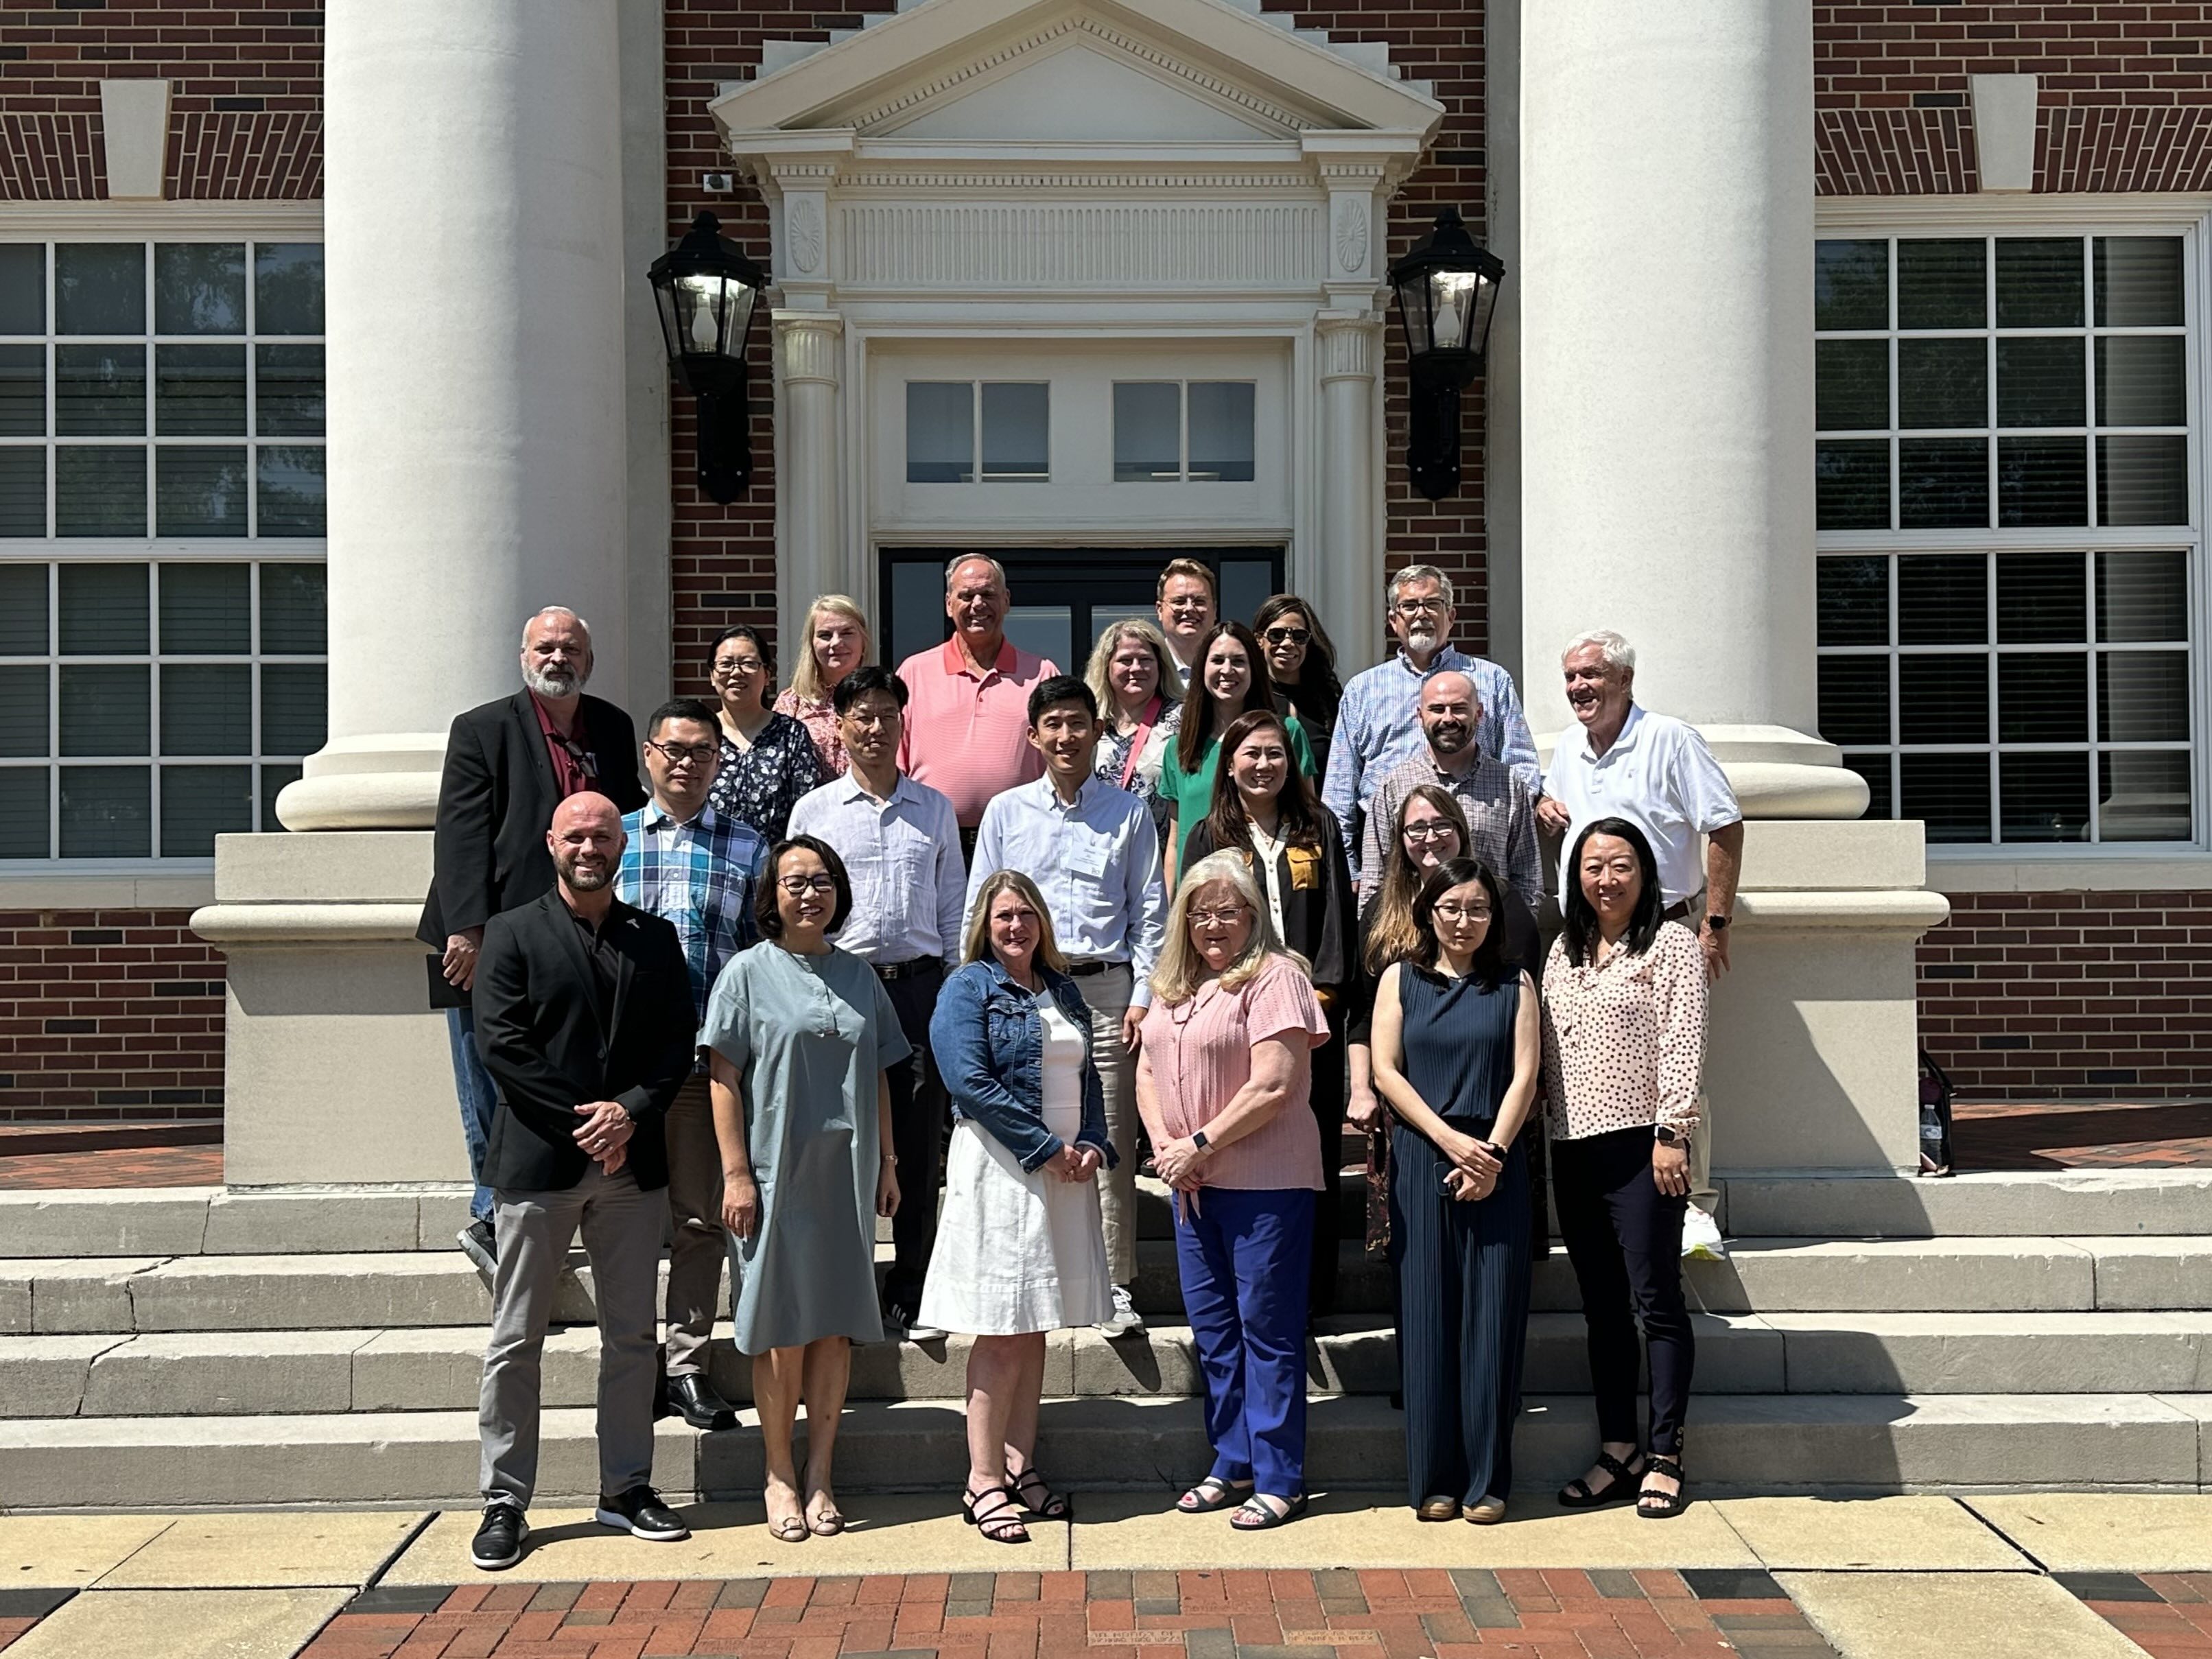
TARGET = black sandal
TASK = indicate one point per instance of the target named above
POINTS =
(1208, 1495)
(1668, 1504)
(999, 1524)
(1253, 1516)
(1578, 1495)
(1057, 1506)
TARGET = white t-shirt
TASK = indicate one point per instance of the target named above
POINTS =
(1267, 848)
(1659, 775)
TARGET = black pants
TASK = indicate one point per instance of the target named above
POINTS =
(1326, 1095)
(1625, 1238)
(917, 1133)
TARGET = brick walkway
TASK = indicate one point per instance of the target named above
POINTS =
(2167, 1614)
(112, 1166)
(2083, 1135)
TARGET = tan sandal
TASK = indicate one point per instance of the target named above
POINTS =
(1436, 1508)
(1487, 1513)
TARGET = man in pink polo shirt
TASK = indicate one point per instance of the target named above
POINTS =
(967, 725)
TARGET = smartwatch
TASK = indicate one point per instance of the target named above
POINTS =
(1719, 924)
(1668, 1136)
(1198, 1140)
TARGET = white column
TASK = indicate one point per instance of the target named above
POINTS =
(475, 297)
(810, 355)
(1347, 577)
(1666, 372)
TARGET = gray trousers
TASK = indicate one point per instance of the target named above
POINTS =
(1107, 996)
(622, 1228)
(697, 1249)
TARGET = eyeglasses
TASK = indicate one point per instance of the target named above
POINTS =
(1419, 607)
(729, 666)
(1287, 636)
(1190, 604)
(800, 886)
(1463, 911)
(1431, 831)
(677, 754)
(1216, 918)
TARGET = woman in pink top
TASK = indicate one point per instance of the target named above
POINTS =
(1222, 1082)
(836, 638)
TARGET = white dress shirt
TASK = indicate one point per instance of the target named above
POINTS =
(1660, 776)
(903, 857)
(1097, 864)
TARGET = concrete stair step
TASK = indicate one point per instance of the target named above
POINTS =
(1835, 1444)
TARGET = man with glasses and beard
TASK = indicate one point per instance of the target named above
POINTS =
(508, 764)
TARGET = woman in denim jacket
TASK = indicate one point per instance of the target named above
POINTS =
(1020, 1250)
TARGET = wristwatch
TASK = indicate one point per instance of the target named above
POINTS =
(1199, 1140)
(1719, 924)
(1667, 1135)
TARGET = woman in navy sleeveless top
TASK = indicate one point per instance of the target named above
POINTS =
(1457, 1052)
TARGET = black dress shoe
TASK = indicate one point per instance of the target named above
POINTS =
(640, 1513)
(499, 1537)
(697, 1403)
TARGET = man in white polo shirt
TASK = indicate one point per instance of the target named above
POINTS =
(1623, 761)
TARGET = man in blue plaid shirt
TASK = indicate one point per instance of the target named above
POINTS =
(698, 869)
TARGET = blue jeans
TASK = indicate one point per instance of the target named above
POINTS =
(479, 1099)
(1245, 1260)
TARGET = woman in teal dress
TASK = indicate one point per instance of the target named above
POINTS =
(801, 1035)
(1227, 680)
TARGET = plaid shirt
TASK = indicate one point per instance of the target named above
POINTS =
(700, 876)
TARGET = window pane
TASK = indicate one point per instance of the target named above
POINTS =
(1853, 485)
(917, 595)
(1943, 484)
(200, 288)
(207, 709)
(287, 287)
(292, 609)
(23, 728)
(23, 832)
(1951, 791)
(1875, 769)
(288, 390)
(100, 390)
(1147, 431)
(2142, 480)
(1851, 285)
(100, 287)
(2043, 697)
(206, 610)
(2043, 481)
(1246, 585)
(2046, 797)
(107, 812)
(1943, 600)
(1855, 699)
(292, 491)
(2141, 797)
(2143, 596)
(1851, 385)
(23, 610)
(22, 290)
(104, 708)
(23, 390)
(2039, 382)
(273, 780)
(1221, 445)
(1854, 605)
(2140, 380)
(1016, 433)
(2142, 696)
(1941, 284)
(1943, 699)
(201, 491)
(940, 432)
(199, 391)
(104, 611)
(2138, 282)
(2040, 282)
(1942, 383)
(100, 492)
(23, 492)
(2042, 596)
(295, 704)
(199, 802)
(1046, 630)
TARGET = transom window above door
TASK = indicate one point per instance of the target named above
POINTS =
(959, 431)
(1183, 431)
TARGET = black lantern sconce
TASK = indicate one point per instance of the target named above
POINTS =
(707, 292)
(1447, 291)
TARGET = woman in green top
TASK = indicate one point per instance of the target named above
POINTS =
(1228, 679)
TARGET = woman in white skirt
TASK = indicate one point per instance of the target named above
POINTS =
(1019, 1247)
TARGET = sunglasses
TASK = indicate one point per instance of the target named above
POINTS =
(1287, 635)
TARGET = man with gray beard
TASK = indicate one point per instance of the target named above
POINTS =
(508, 764)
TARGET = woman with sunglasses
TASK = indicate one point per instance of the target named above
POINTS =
(1458, 1047)
(1301, 669)
(768, 761)
(1226, 682)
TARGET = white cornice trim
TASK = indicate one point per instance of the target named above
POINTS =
(106, 221)
(115, 889)
(1968, 872)
(1897, 213)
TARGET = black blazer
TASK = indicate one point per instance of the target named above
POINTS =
(495, 802)
(540, 1032)
(1317, 901)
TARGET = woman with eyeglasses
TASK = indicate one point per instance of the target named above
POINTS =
(1431, 831)
(1301, 669)
(1226, 682)
(836, 635)
(1458, 1048)
(1139, 710)
(800, 1036)
(767, 759)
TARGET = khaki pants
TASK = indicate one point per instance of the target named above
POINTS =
(696, 1250)
(1107, 996)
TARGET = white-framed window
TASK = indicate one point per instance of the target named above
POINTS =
(1184, 431)
(162, 632)
(959, 431)
(2010, 549)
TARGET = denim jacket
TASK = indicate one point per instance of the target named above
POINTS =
(988, 1045)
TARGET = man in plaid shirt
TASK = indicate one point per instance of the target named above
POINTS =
(697, 869)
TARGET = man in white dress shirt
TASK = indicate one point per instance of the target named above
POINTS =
(1094, 854)
(900, 845)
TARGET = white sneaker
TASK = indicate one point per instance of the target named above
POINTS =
(1701, 1238)
(1125, 1320)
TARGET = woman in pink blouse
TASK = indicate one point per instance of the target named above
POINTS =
(1222, 1081)
(837, 640)
(1624, 1043)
